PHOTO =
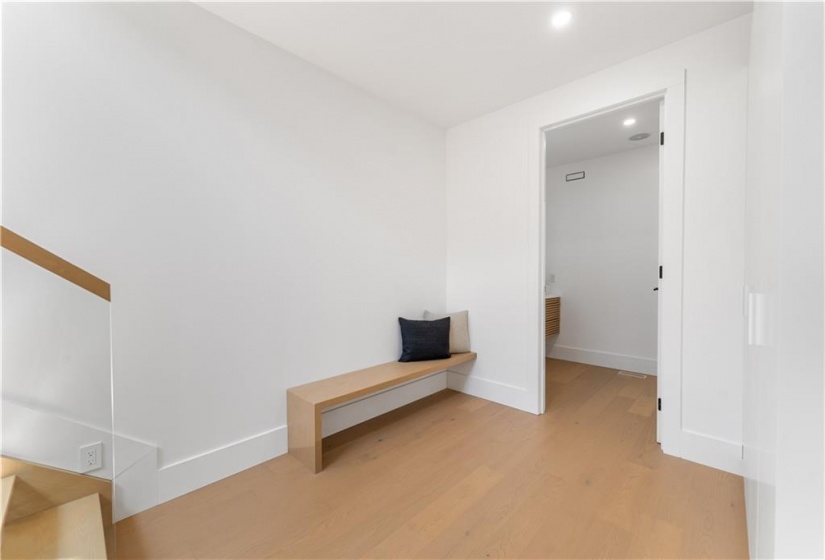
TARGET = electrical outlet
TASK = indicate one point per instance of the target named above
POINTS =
(91, 457)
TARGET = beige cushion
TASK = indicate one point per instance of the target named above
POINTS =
(459, 330)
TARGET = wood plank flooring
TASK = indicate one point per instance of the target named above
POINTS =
(71, 530)
(452, 476)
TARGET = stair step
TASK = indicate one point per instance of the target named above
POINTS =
(71, 530)
(8, 488)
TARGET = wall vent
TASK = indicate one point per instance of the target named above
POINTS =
(631, 374)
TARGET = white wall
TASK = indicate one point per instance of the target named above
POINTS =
(602, 250)
(493, 232)
(262, 223)
(784, 273)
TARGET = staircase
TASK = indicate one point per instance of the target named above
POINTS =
(48, 512)
(36, 522)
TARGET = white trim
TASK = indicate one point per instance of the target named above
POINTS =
(196, 472)
(136, 487)
(635, 364)
(714, 452)
(541, 331)
(542, 268)
(671, 234)
(671, 239)
(129, 451)
(487, 389)
(659, 319)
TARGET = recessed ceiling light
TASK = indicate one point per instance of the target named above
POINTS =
(629, 122)
(640, 136)
(561, 19)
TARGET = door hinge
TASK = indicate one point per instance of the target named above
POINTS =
(659, 404)
(662, 138)
(660, 272)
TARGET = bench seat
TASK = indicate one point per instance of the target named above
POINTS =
(305, 403)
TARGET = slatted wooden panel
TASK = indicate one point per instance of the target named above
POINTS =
(552, 316)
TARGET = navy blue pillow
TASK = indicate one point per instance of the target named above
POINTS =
(424, 340)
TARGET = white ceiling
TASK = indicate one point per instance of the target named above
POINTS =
(602, 134)
(451, 62)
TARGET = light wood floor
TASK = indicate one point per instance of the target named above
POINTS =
(456, 476)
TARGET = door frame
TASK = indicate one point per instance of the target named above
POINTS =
(671, 236)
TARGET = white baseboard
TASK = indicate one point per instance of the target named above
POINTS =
(143, 486)
(136, 485)
(352, 413)
(508, 395)
(190, 474)
(712, 452)
(635, 364)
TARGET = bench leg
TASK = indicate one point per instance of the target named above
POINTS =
(304, 432)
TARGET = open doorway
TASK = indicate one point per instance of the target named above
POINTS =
(602, 255)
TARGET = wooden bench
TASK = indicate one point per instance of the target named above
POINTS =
(305, 403)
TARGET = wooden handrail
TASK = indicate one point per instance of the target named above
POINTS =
(41, 257)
